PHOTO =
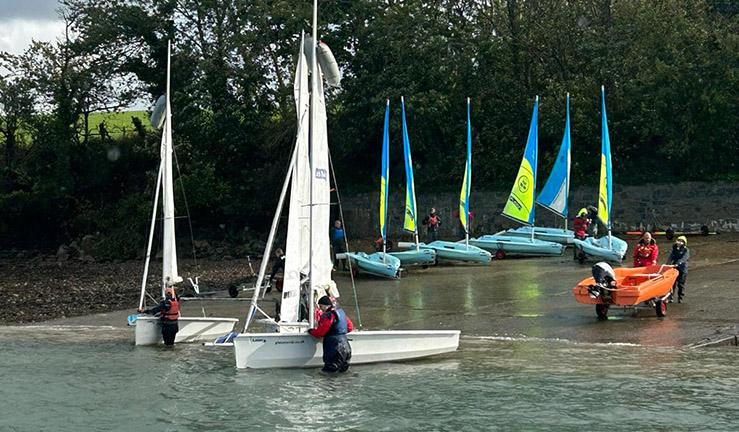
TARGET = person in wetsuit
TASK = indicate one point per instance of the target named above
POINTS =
(333, 327)
(169, 313)
(278, 265)
(679, 258)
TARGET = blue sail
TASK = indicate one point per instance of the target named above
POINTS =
(411, 218)
(520, 203)
(464, 196)
(556, 191)
(605, 191)
(385, 175)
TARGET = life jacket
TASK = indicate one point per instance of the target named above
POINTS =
(339, 326)
(581, 226)
(644, 250)
(433, 220)
(173, 313)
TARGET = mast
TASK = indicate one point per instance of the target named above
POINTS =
(533, 205)
(314, 88)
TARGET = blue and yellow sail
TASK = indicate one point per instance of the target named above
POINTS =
(606, 177)
(556, 190)
(520, 203)
(385, 174)
(464, 195)
(410, 222)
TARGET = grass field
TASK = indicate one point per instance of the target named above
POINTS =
(118, 124)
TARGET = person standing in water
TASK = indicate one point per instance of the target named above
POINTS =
(679, 258)
(433, 223)
(333, 327)
(169, 313)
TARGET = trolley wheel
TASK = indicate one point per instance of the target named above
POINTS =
(601, 310)
(670, 234)
(425, 266)
(704, 230)
(233, 291)
(499, 255)
(355, 271)
(581, 258)
(661, 308)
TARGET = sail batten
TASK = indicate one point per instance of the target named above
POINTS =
(555, 194)
(410, 222)
(520, 203)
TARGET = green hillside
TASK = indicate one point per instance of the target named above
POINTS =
(118, 124)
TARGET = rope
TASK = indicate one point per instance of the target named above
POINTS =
(346, 242)
(189, 222)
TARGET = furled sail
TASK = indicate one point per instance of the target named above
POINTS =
(606, 177)
(169, 253)
(297, 248)
(464, 195)
(385, 174)
(555, 193)
(411, 217)
(520, 203)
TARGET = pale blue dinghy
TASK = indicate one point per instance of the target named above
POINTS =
(602, 249)
(607, 248)
(557, 235)
(504, 245)
(379, 263)
(421, 257)
(451, 251)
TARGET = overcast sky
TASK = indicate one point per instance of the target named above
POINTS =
(23, 20)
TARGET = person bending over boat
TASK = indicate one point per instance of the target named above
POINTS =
(679, 258)
(646, 252)
(169, 312)
(580, 228)
(333, 327)
(433, 223)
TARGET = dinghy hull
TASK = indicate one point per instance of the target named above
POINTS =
(148, 329)
(513, 245)
(599, 249)
(556, 235)
(285, 350)
(458, 251)
(416, 257)
(378, 264)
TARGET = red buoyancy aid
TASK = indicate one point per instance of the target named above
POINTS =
(433, 220)
(645, 255)
(581, 226)
(174, 311)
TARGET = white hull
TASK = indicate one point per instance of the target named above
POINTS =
(284, 350)
(191, 329)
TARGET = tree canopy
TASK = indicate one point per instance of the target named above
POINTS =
(670, 69)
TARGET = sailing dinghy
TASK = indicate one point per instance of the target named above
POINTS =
(291, 345)
(444, 250)
(554, 195)
(380, 263)
(148, 329)
(520, 208)
(609, 247)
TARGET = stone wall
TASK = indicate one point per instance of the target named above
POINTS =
(686, 205)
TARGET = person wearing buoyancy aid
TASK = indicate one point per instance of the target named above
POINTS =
(679, 259)
(581, 224)
(169, 312)
(433, 223)
(646, 252)
(333, 327)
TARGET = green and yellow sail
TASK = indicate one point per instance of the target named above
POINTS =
(520, 203)
(606, 177)
(410, 223)
(464, 195)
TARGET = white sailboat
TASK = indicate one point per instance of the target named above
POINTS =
(291, 345)
(148, 329)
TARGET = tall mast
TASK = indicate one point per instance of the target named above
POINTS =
(313, 88)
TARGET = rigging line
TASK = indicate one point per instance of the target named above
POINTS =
(189, 221)
(346, 242)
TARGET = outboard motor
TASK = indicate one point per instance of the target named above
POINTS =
(604, 275)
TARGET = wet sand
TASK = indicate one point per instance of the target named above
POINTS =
(511, 298)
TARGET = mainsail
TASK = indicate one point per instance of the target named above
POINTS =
(297, 246)
(385, 175)
(411, 218)
(557, 188)
(520, 203)
(606, 178)
(169, 253)
(464, 195)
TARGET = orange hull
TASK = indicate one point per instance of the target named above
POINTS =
(633, 286)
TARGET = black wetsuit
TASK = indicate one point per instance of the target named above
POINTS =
(680, 258)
